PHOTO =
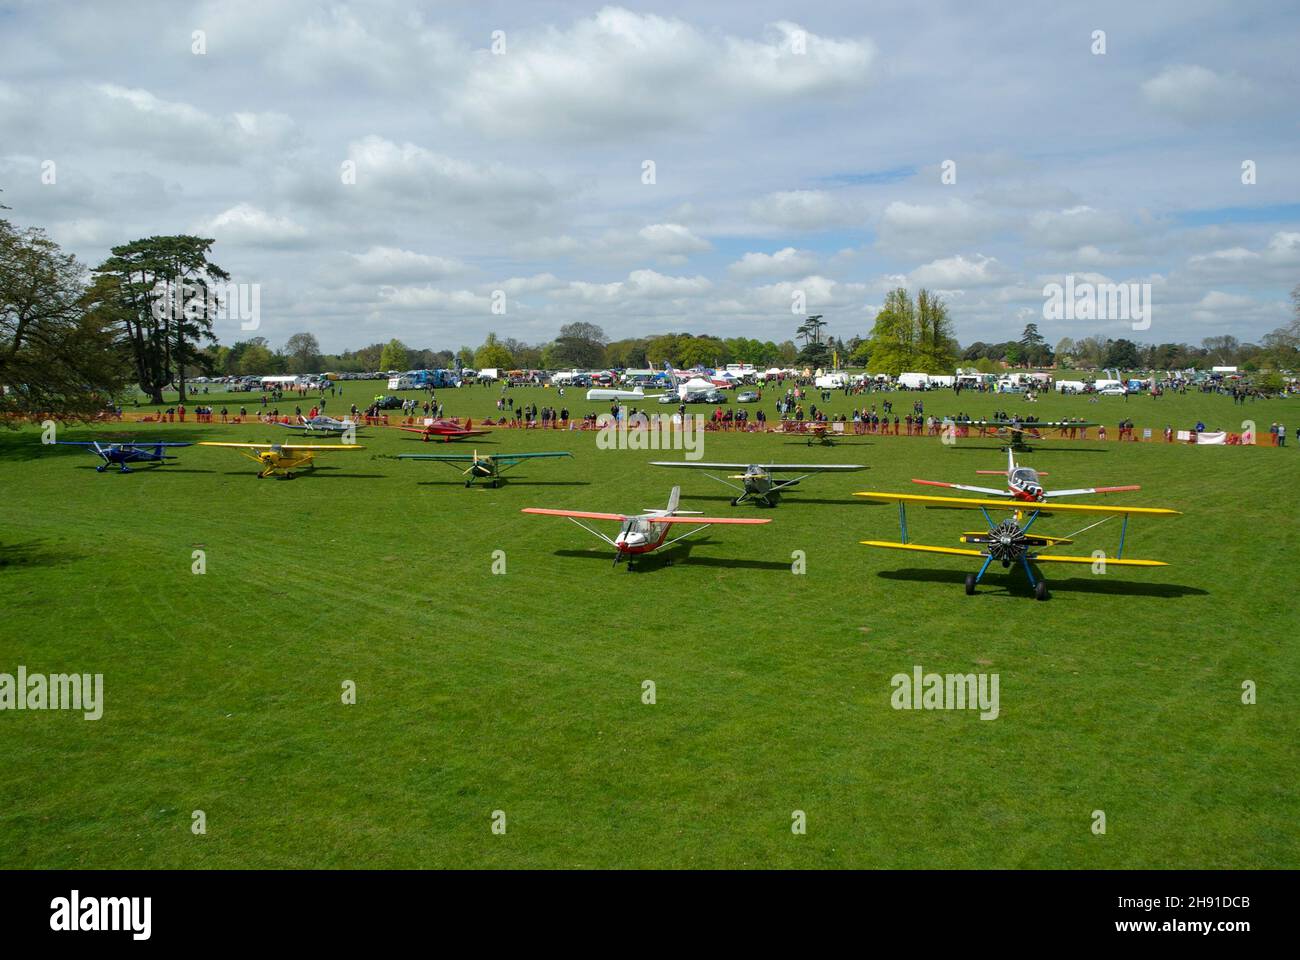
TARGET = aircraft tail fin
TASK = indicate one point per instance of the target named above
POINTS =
(674, 499)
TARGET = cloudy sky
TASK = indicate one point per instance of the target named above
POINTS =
(796, 147)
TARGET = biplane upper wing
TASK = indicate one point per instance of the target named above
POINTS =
(577, 514)
(975, 503)
(922, 548)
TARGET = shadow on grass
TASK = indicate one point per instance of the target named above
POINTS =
(506, 482)
(25, 445)
(678, 555)
(34, 553)
(1014, 582)
(787, 499)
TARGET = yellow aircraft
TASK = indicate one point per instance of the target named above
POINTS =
(1008, 541)
(282, 458)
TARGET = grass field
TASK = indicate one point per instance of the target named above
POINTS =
(522, 692)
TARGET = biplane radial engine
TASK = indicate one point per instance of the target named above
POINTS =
(1009, 541)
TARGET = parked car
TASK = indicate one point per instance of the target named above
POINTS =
(749, 396)
(390, 403)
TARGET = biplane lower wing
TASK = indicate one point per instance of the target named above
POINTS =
(923, 548)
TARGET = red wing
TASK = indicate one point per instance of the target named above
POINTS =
(707, 520)
(412, 429)
(586, 515)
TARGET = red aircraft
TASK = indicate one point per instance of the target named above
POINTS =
(1023, 484)
(644, 532)
(446, 430)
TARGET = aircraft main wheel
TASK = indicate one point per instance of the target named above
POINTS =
(970, 584)
(735, 501)
(1040, 590)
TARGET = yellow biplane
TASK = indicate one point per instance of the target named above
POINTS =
(282, 458)
(1008, 541)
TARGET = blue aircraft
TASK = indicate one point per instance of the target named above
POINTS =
(123, 453)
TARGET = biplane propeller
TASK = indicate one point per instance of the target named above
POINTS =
(1008, 541)
(482, 466)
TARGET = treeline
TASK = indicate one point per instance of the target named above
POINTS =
(579, 345)
(73, 339)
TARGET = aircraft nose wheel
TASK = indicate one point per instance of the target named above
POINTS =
(970, 584)
(1040, 590)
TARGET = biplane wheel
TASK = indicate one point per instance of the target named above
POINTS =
(290, 475)
(970, 584)
(1040, 590)
(735, 501)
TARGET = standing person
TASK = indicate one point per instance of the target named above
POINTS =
(1281, 435)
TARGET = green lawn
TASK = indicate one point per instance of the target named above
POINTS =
(522, 692)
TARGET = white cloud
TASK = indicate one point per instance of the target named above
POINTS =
(805, 210)
(1191, 92)
(132, 117)
(957, 272)
(247, 224)
(787, 262)
(394, 265)
(620, 72)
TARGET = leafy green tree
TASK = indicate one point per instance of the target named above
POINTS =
(893, 336)
(1122, 354)
(256, 359)
(59, 354)
(493, 355)
(394, 356)
(702, 351)
(580, 345)
(167, 298)
(303, 351)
